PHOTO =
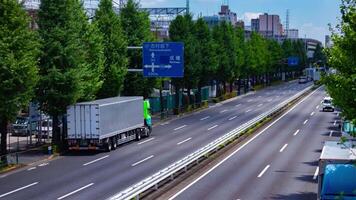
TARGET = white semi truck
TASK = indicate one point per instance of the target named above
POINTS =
(107, 123)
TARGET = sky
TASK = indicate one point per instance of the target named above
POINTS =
(311, 17)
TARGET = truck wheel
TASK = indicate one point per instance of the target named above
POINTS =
(138, 136)
(108, 146)
(114, 141)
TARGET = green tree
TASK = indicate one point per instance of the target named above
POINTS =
(93, 43)
(256, 56)
(224, 38)
(239, 63)
(115, 50)
(205, 57)
(319, 56)
(68, 70)
(136, 26)
(19, 50)
(180, 30)
(275, 55)
(342, 57)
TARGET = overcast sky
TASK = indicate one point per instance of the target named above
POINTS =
(311, 17)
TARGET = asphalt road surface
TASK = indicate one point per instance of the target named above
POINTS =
(279, 163)
(101, 175)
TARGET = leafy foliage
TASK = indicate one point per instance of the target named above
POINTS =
(136, 27)
(19, 50)
(115, 52)
(342, 57)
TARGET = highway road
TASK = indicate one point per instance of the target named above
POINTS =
(280, 162)
(99, 176)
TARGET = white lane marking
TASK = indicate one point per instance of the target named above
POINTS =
(260, 105)
(75, 191)
(238, 105)
(96, 160)
(30, 169)
(239, 149)
(202, 119)
(176, 129)
(249, 110)
(316, 173)
(311, 114)
(223, 111)
(250, 100)
(331, 133)
(211, 128)
(186, 140)
(306, 121)
(232, 118)
(143, 142)
(143, 160)
(263, 171)
(335, 123)
(277, 96)
(18, 189)
(317, 107)
(43, 164)
(270, 100)
(296, 133)
(166, 123)
(282, 149)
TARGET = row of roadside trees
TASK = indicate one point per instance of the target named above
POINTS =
(224, 55)
(71, 58)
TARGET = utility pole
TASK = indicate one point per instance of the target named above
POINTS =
(187, 6)
(287, 23)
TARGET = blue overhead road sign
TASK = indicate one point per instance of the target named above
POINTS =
(163, 59)
(293, 61)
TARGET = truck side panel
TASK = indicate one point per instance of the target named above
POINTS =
(119, 117)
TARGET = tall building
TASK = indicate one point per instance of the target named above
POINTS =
(227, 15)
(310, 45)
(270, 25)
(240, 24)
(212, 20)
(292, 33)
(255, 25)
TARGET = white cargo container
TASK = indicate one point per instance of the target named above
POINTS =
(106, 123)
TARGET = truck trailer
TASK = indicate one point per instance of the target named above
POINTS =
(337, 171)
(105, 124)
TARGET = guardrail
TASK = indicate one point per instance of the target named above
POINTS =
(153, 181)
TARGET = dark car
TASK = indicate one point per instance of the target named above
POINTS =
(21, 127)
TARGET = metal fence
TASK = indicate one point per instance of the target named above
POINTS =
(153, 181)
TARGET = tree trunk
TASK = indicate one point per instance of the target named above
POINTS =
(56, 138)
(176, 96)
(239, 87)
(161, 99)
(199, 98)
(231, 86)
(218, 89)
(3, 148)
(224, 85)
